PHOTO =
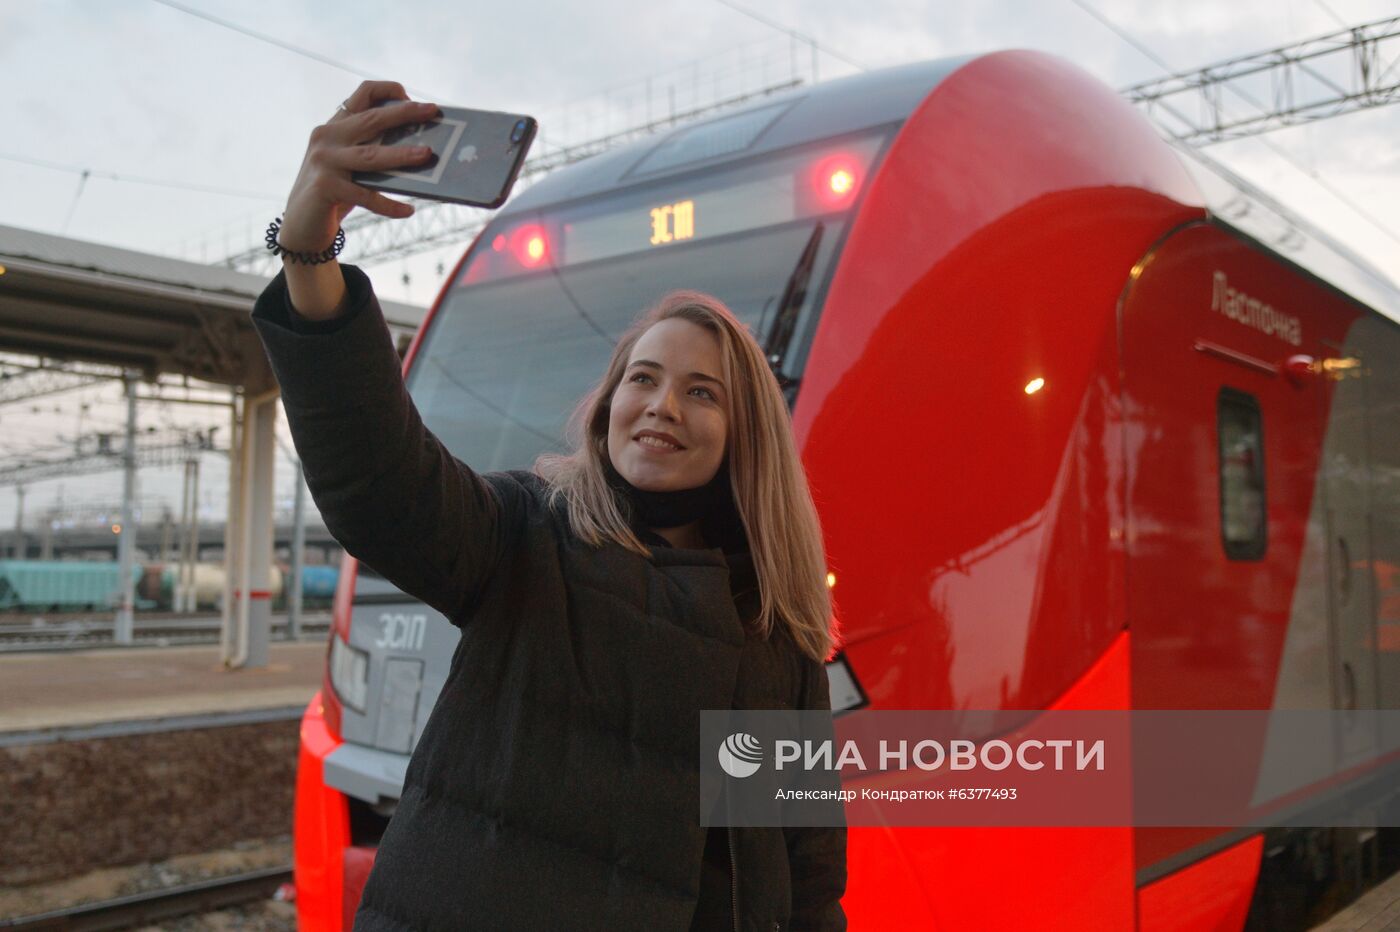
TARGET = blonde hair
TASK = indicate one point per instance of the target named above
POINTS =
(769, 485)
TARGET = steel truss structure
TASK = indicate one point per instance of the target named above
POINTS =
(1352, 69)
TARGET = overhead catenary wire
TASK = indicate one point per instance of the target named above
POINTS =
(291, 47)
(136, 179)
(773, 24)
(280, 43)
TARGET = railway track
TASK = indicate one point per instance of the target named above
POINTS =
(159, 905)
(87, 630)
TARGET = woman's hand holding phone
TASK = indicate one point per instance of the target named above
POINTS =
(324, 193)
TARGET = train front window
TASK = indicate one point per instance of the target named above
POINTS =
(530, 322)
(506, 360)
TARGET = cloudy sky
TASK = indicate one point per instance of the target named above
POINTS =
(194, 95)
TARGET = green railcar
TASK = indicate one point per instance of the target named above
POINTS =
(61, 585)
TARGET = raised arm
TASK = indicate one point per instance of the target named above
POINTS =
(388, 490)
(324, 193)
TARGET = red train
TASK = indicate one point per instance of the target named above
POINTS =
(1078, 440)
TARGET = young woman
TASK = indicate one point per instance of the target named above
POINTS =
(671, 563)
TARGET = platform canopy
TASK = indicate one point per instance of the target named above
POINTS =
(68, 299)
(150, 316)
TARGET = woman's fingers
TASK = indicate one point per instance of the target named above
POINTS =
(347, 192)
(365, 96)
(372, 158)
(348, 145)
(324, 192)
(370, 124)
(370, 92)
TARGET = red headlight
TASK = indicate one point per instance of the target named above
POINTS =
(835, 180)
(529, 245)
(830, 182)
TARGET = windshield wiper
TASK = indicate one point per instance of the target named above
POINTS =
(775, 347)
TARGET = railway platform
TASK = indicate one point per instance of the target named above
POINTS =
(77, 689)
(1378, 910)
(113, 757)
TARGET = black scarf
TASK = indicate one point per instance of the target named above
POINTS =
(712, 504)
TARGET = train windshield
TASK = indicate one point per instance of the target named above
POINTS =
(530, 323)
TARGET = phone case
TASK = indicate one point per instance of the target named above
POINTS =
(477, 155)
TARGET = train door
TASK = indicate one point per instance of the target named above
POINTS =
(1226, 566)
(1347, 504)
(1224, 425)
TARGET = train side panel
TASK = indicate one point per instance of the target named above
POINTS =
(974, 522)
(1248, 448)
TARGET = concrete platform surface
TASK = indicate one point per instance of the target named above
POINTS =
(1377, 911)
(56, 690)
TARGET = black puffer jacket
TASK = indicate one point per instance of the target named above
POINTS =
(556, 783)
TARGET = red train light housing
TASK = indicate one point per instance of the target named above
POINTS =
(341, 607)
(831, 181)
(835, 180)
(343, 600)
(530, 245)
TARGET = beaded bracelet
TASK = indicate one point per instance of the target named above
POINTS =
(305, 258)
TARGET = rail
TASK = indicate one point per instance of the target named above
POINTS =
(82, 631)
(157, 905)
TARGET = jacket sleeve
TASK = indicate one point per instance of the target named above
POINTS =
(388, 490)
(817, 856)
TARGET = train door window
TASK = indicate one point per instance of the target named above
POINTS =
(1244, 520)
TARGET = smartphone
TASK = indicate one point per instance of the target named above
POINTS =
(476, 157)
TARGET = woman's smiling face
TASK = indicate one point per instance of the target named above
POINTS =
(671, 387)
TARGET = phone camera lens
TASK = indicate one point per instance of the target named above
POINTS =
(518, 133)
